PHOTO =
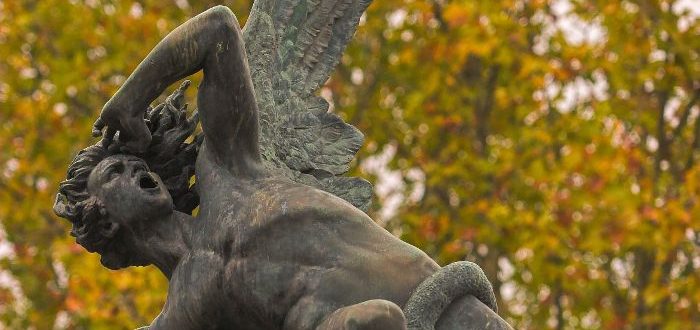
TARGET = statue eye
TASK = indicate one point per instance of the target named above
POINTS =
(114, 170)
(141, 167)
(138, 166)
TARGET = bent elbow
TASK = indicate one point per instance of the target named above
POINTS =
(222, 18)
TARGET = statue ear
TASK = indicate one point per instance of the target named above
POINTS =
(109, 229)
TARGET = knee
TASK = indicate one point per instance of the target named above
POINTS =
(380, 314)
(375, 314)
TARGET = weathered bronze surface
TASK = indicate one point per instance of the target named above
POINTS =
(279, 240)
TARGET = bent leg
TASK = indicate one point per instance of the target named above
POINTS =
(374, 314)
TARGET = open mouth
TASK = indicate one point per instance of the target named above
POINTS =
(146, 182)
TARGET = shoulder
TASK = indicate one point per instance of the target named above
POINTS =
(280, 201)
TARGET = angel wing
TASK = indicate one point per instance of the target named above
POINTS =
(292, 47)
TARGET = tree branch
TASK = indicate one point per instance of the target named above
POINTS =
(684, 117)
(437, 12)
(662, 151)
(694, 146)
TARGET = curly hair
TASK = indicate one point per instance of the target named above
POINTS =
(168, 155)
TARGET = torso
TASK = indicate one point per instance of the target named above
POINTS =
(288, 254)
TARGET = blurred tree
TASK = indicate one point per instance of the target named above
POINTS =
(553, 142)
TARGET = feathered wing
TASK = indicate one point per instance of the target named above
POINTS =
(292, 46)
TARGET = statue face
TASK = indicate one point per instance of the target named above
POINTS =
(128, 190)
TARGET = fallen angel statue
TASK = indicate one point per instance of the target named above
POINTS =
(279, 239)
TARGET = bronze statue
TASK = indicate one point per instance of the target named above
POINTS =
(278, 241)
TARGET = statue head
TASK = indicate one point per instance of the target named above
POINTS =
(128, 191)
(110, 197)
(103, 199)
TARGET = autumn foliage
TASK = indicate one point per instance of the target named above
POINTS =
(555, 143)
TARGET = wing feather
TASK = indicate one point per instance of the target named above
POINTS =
(293, 46)
(342, 31)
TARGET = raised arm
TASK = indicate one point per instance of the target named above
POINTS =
(212, 42)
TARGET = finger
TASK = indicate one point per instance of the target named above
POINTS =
(114, 148)
(125, 150)
(139, 137)
(97, 127)
(108, 137)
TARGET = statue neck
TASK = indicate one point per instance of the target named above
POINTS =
(165, 241)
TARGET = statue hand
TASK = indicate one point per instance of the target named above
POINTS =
(133, 131)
